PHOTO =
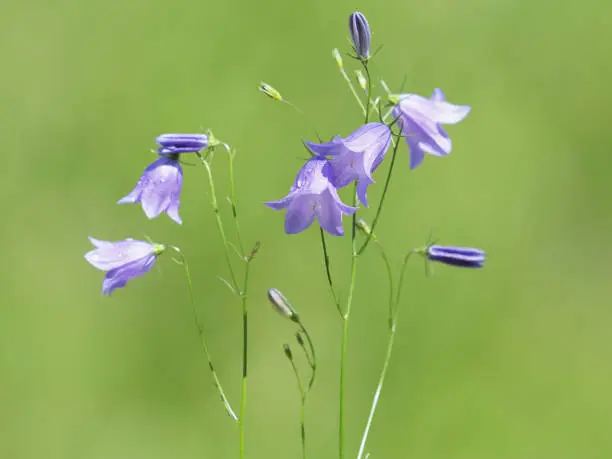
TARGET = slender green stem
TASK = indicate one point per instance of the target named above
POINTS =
(233, 201)
(349, 302)
(382, 198)
(390, 275)
(367, 71)
(383, 374)
(242, 292)
(345, 322)
(203, 344)
(328, 272)
(215, 206)
(244, 298)
(245, 354)
(353, 90)
(302, 406)
(311, 360)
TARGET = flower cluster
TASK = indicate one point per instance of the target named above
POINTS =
(158, 191)
(341, 162)
(354, 159)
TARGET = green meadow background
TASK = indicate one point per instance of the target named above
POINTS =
(512, 361)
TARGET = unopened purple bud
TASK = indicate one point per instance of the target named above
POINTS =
(361, 35)
(464, 257)
(181, 143)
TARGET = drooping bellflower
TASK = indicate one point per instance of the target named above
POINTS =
(159, 188)
(356, 156)
(420, 120)
(313, 194)
(465, 257)
(123, 260)
(361, 35)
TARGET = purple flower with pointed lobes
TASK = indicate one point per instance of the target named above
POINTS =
(356, 156)
(159, 188)
(181, 143)
(313, 195)
(420, 120)
(123, 260)
(464, 257)
(361, 35)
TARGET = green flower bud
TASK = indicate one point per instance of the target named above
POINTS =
(282, 305)
(270, 91)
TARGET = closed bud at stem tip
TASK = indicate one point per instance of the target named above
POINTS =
(361, 35)
(364, 227)
(338, 58)
(270, 91)
(361, 79)
(287, 351)
(282, 305)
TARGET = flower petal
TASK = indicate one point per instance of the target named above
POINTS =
(362, 190)
(133, 196)
(118, 277)
(348, 210)
(110, 255)
(300, 214)
(334, 147)
(281, 203)
(435, 110)
(329, 215)
(173, 211)
(437, 95)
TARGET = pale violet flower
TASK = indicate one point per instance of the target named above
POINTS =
(356, 156)
(313, 195)
(421, 119)
(159, 188)
(122, 260)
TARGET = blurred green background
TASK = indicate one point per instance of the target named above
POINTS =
(512, 361)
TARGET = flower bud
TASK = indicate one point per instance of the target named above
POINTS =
(361, 79)
(361, 35)
(270, 91)
(463, 257)
(170, 144)
(363, 227)
(338, 58)
(282, 305)
(287, 351)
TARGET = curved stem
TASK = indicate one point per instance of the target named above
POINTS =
(245, 328)
(367, 110)
(345, 322)
(349, 301)
(313, 360)
(328, 272)
(390, 275)
(382, 198)
(244, 298)
(213, 201)
(302, 406)
(203, 344)
(354, 91)
(383, 374)
(233, 201)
